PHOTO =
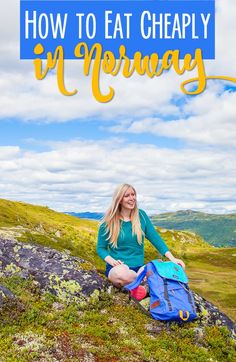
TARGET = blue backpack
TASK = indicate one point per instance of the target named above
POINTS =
(170, 296)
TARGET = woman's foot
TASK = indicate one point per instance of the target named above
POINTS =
(139, 293)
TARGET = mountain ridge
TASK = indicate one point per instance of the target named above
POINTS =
(216, 229)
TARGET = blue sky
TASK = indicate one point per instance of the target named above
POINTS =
(24, 134)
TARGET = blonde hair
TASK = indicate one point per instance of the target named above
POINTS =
(112, 217)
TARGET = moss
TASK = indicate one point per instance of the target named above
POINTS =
(218, 339)
(21, 287)
(86, 266)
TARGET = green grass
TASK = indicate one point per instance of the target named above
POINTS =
(112, 330)
(212, 275)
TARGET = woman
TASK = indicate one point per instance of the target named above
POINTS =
(121, 239)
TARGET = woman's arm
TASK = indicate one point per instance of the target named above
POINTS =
(102, 242)
(102, 247)
(153, 236)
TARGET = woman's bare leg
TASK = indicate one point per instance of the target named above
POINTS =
(121, 275)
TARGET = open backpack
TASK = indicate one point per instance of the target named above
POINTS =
(170, 296)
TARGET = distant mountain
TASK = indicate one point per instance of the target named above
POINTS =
(217, 230)
(87, 215)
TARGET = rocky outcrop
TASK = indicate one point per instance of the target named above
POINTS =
(73, 279)
(209, 315)
(69, 278)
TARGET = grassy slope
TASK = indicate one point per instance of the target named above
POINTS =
(210, 270)
(218, 230)
(47, 227)
(37, 331)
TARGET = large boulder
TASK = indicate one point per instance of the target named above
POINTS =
(69, 278)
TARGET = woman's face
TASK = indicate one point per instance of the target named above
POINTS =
(129, 199)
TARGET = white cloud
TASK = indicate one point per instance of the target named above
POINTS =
(209, 120)
(9, 151)
(81, 175)
(31, 100)
(225, 63)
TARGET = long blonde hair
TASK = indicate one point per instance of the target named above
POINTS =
(112, 217)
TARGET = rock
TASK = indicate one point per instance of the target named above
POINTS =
(58, 234)
(210, 315)
(5, 293)
(69, 278)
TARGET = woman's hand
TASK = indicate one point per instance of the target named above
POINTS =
(179, 262)
(113, 262)
(174, 260)
(117, 262)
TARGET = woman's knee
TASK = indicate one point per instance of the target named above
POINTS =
(117, 272)
(121, 275)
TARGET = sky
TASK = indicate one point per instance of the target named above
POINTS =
(70, 153)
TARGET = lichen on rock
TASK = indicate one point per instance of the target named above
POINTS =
(69, 278)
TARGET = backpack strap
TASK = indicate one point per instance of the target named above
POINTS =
(137, 281)
(166, 294)
(190, 298)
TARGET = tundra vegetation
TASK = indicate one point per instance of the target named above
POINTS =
(38, 326)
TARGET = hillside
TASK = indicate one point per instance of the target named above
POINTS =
(37, 224)
(217, 230)
(26, 328)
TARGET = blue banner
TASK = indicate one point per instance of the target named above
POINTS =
(144, 26)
